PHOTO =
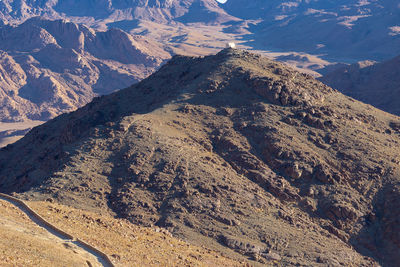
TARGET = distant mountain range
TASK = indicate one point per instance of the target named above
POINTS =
(340, 30)
(108, 11)
(374, 83)
(343, 30)
(50, 67)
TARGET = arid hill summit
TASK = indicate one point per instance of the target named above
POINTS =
(234, 152)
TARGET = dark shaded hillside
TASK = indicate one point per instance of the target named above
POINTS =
(232, 151)
(377, 84)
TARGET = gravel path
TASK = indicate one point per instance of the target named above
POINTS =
(102, 259)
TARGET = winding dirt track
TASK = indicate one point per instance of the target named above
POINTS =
(101, 257)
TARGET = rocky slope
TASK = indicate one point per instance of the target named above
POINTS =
(50, 67)
(345, 29)
(127, 243)
(375, 83)
(24, 243)
(232, 151)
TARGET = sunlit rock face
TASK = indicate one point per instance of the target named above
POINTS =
(51, 67)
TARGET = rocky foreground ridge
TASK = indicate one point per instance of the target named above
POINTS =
(232, 151)
(51, 67)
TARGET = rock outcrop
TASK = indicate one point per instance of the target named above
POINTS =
(51, 67)
(232, 151)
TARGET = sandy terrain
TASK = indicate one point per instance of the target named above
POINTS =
(24, 243)
(13, 131)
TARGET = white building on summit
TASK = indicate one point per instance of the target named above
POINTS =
(231, 45)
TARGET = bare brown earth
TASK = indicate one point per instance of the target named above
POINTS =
(23, 243)
(129, 244)
(234, 152)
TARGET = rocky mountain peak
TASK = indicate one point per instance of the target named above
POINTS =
(235, 70)
(233, 151)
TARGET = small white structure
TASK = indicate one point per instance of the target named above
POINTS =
(231, 45)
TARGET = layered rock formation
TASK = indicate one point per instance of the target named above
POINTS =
(232, 151)
(50, 67)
